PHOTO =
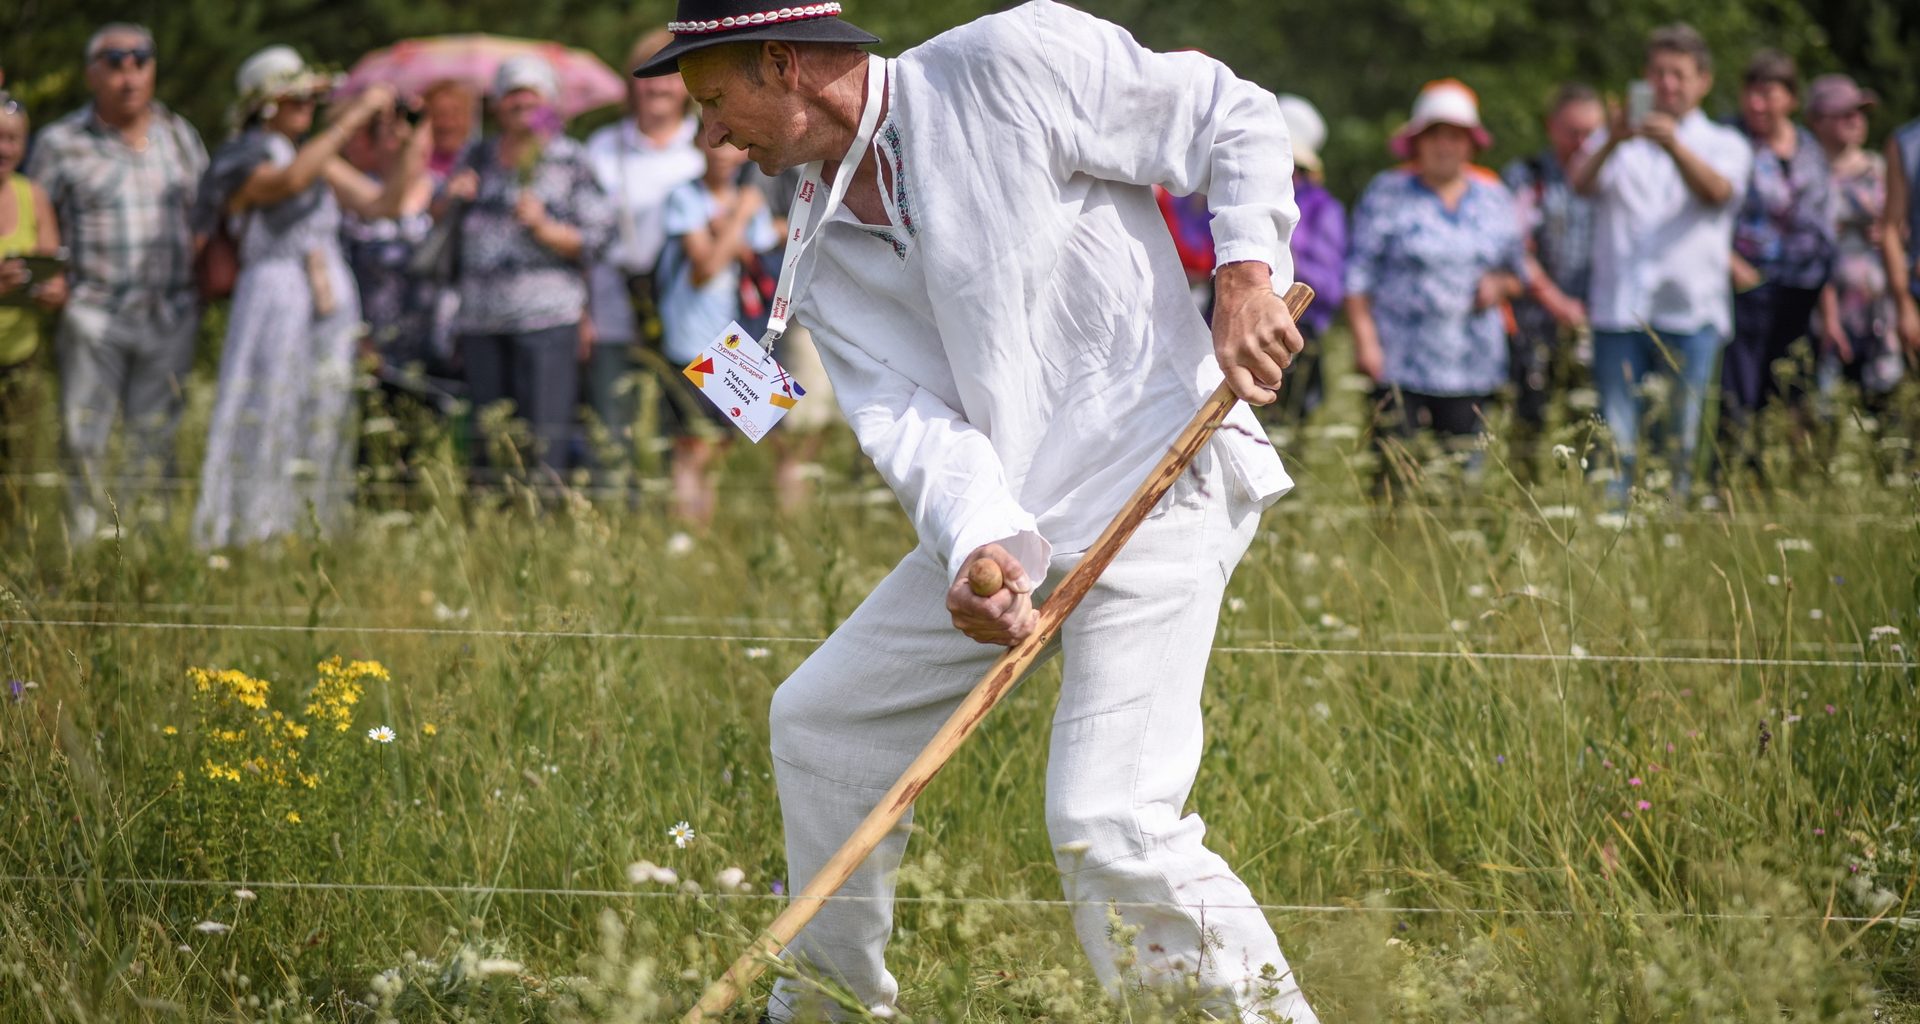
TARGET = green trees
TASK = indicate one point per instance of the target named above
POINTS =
(1360, 60)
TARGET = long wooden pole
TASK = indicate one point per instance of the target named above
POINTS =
(987, 693)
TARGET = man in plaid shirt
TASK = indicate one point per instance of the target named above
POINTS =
(121, 173)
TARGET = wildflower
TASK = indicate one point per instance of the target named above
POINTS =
(1831, 710)
(244, 895)
(1816, 614)
(1671, 540)
(1559, 512)
(1883, 632)
(756, 653)
(293, 817)
(380, 734)
(666, 876)
(690, 887)
(168, 730)
(641, 871)
(496, 965)
(1563, 454)
(777, 887)
(429, 729)
(1645, 805)
(218, 563)
(1819, 831)
(1614, 521)
(1792, 719)
(1606, 763)
(1635, 781)
(1458, 625)
(1794, 544)
(212, 928)
(681, 834)
(731, 880)
(1577, 651)
(1477, 591)
(1773, 580)
(1499, 759)
(1236, 604)
(679, 544)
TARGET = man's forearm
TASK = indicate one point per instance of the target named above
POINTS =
(1702, 180)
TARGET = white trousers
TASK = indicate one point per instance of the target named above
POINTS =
(1126, 743)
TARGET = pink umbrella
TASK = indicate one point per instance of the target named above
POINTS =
(412, 66)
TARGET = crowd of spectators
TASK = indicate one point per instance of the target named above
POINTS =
(483, 267)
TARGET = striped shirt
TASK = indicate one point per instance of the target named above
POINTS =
(124, 213)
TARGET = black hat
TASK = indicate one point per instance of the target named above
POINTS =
(703, 23)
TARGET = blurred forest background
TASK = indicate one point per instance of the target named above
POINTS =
(1361, 61)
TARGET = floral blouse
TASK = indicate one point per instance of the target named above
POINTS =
(509, 283)
(1420, 265)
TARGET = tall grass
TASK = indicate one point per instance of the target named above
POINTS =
(1452, 837)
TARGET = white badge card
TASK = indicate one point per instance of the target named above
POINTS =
(737, 375)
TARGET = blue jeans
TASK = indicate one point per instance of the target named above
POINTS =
(1623, 359)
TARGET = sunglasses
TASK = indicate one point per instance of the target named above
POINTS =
(115, 57)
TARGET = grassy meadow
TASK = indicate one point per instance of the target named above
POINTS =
(467, 816)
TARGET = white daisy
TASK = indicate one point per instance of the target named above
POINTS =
(380, 734)
(681, 834)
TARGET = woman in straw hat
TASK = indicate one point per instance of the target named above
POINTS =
(279, 440)
(1436, 255)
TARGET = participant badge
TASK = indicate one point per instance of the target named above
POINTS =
(737, 375)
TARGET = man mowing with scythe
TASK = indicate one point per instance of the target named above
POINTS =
(977, 250)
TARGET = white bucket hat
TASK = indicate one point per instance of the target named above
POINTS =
(1307, 130)
(526, 71)
(1447, 101)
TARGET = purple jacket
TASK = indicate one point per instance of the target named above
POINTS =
(1320, 252)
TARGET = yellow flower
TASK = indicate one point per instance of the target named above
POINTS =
(293, 817)
(298, 732)
(429, 729)
(168, 730)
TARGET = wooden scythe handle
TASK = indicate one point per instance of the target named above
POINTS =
(987, 693)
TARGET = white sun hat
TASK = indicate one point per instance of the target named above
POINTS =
(1447, 101)
(1306, 128)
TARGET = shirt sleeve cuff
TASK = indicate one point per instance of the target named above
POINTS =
(1025, 544)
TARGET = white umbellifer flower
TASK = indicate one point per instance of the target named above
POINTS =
(641, 871)
(443, 613)
(1322, 711)
(665, 876)
(1330, 621)
(730, 880)
(1795, 544)
(218, 563)
(756, 653)
(1883, 632)
(496, 965)
(212, 928)
(1772, 580)
(681, 834)
(1559, 512)
(679, 544)
(1563, 454)
(1578, 651)
(1477, 590)
(244, 895)
(1458, 625)
(380, 734)
(1610, 521)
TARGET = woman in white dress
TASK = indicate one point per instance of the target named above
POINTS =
(279, 439)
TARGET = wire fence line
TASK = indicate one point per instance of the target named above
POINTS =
(432, 889)
(766, 622)
(864, 494)
(756, 640)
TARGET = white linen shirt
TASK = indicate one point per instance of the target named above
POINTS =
(1660, 254)
(1016, 371)
(638, 173)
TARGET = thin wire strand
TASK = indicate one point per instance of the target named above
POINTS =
(1001, 901)
(755, 640)
(777, 622)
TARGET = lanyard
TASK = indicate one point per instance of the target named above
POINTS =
(807, 222)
